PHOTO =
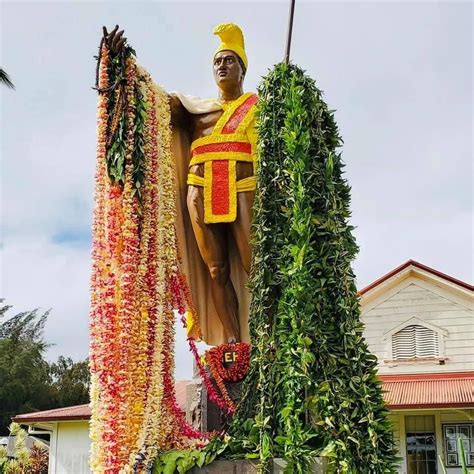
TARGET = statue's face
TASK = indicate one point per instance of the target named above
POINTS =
(227, 69)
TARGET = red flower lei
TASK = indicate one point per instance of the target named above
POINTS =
(240, 367)
(221, 384)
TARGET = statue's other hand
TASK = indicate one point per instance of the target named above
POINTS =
(114, 40)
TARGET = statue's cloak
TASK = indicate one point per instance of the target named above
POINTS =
(192, 264)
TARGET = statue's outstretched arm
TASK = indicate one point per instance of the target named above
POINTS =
(116, 42)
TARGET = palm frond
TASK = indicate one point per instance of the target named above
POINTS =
(5, 79)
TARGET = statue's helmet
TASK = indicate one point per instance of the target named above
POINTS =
(232, 39)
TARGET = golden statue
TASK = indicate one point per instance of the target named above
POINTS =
(214, 145)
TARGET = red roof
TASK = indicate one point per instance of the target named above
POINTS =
(78, 412)
(416, 264)
(448, 390)
(83, 412)
(401, 391)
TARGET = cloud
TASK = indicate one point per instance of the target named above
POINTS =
(399, 75)
(45, 275)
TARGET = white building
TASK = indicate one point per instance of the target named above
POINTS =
(69, 437)
(419, 323)
(69, 433)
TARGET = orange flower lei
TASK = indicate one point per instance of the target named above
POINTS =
(134, 271)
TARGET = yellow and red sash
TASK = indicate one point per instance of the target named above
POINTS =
(219, 152)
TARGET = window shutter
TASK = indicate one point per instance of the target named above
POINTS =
(426, 342)
(415, 341)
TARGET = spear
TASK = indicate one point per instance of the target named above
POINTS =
(290, 31)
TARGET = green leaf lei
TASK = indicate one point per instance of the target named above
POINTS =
(312, 388)
(122, 109)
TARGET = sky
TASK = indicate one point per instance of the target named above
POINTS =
(398, 74)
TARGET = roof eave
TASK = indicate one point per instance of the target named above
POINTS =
(430, 406)
(419, 266)
(27, 420)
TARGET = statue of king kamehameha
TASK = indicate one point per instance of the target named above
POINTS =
(214, 149)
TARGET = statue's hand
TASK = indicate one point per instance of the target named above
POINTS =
(114, 40)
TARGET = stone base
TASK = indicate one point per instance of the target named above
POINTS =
(248, 466)
(227, 467)
(204, 414)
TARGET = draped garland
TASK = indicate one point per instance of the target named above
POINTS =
(312, 388)
(135, 284)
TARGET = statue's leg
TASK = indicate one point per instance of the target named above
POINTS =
(212, 243)
(241, 227)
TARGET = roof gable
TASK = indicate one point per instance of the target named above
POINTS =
(413, 265)
(413, 272)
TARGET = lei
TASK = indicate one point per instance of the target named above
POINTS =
(215, 358)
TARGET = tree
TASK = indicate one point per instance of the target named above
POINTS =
(29, 382)
(25, 375)
(5, 79)
(26, 326)
(70, 381)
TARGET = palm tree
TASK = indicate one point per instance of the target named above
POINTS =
(5, 79)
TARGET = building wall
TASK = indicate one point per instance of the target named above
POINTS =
(415, 298)
(441, 417)
(395, 420)
(70, 444)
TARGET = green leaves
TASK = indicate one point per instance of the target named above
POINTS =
(179, 461)
(126, 127)
(312, 386)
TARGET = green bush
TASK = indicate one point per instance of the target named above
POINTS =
(23, 461)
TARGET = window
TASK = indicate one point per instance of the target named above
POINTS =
(421, 444)
(452, 433)
(415, 342)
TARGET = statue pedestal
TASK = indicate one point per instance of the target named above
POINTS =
(201, 412)
(230, 467)
(206, 416)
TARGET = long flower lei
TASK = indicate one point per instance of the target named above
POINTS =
(135, 281)
(221, 384)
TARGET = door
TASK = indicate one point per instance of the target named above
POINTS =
(421, 444)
